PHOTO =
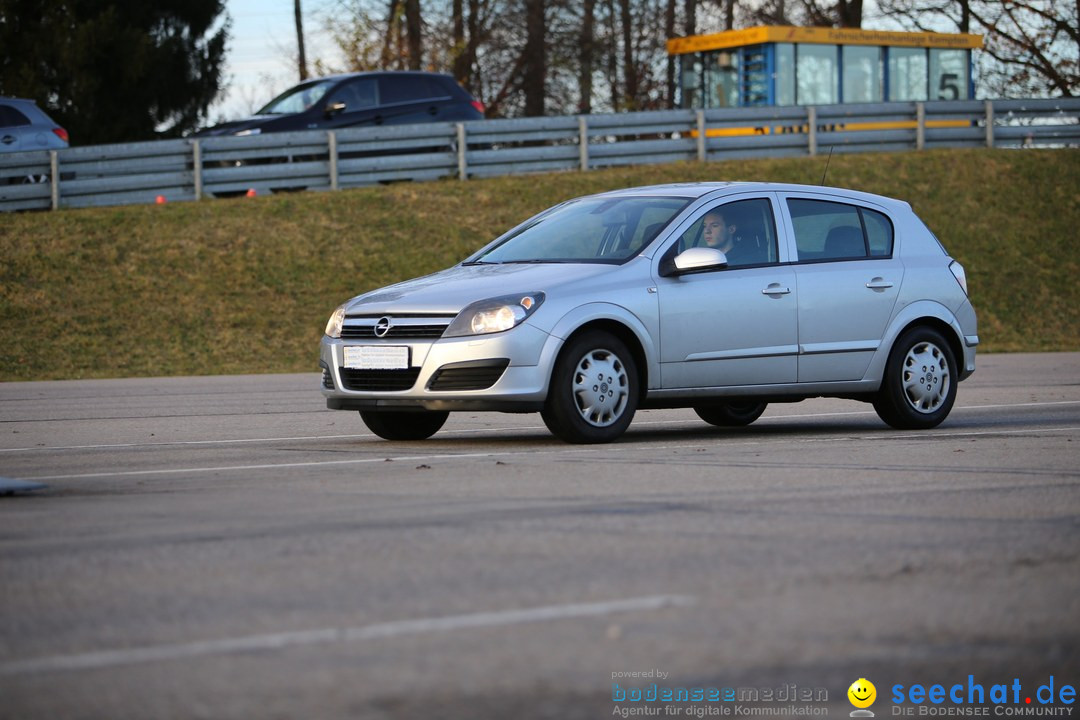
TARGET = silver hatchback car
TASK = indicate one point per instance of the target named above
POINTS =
(721, 297)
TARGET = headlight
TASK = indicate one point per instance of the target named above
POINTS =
(333, 326)
(494, 315)
(249, 131)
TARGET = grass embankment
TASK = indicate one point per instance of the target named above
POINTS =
(246, 285)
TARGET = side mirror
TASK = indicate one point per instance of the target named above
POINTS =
(698, 259)
(334, 108)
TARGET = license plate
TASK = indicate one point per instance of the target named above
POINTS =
(377, 357)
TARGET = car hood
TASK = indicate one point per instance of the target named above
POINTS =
(451, 290)
(234, 126)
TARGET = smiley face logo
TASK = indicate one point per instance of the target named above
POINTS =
(862, 693)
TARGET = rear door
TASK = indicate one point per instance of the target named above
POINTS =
(407, 99)
(848, 278)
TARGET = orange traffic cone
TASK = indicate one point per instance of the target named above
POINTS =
(160, 200)
(251, 192)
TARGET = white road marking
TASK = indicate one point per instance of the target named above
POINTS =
(920, 436)
(468, 431)
(277, 641)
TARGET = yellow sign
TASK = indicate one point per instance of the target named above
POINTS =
(823, 36)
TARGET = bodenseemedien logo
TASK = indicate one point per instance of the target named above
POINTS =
(862, 695)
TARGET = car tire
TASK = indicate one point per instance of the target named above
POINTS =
(594, 390)
(391, 425)
(919, 387)
(731, 414)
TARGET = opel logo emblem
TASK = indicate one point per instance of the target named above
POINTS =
(382, 326)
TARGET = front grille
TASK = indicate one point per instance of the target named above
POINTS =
(401, 327)
(379, 380)
(417, 332)
(471, 375)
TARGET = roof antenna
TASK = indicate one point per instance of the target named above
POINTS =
(827, 165)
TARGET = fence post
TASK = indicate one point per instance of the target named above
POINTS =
(331, 144)
(990, 123)
(701, 147)
(462, 161)
(54, 175)
(196, 167)
(811, 119)
(583, 142)
(920, 126)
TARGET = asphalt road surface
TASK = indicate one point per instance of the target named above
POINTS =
(225, 547)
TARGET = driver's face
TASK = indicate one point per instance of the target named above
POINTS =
(716, 233)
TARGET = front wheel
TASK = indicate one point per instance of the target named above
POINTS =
(919, 387)
(594, 390)
(732, 414)
(406, 425)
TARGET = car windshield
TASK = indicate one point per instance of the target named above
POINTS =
(297, 99)
(591, 230)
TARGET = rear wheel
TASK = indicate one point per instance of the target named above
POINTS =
(391, 425)
(594, 390)
(732, 414)
(919, 387)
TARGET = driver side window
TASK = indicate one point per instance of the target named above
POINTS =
(356, 95)
(744, 231)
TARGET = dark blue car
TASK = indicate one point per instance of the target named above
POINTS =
(360, 100)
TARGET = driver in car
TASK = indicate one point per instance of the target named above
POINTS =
(720, 233)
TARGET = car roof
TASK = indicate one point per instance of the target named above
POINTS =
(699, 189)
(373, 73)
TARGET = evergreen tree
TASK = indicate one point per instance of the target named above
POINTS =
(115, 70)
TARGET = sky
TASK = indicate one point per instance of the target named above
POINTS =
(260, 59)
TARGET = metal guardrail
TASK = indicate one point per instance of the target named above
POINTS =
(178, 170)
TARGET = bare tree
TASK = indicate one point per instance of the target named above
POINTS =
(413, 33)
(301, 56)
(585, 62)
(1033, 46)
(534, 72)
(669, 32)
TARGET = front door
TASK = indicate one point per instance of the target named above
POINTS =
(732, 326)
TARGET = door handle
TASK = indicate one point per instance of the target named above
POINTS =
(8, 139)
(377, 119)
(775, 289)
(433, 110)
(879, 283)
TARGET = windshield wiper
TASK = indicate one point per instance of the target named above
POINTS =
(537, 261)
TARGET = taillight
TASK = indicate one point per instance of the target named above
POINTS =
(61, 133)
(959, 274)
(478, 105)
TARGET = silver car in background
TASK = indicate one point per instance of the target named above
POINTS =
(25, 127)
(613, 302)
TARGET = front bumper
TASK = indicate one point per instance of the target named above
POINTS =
(526, 352)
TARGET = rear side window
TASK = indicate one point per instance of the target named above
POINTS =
(408, 88)
(10, 117)
(835, 231)
(879, 233)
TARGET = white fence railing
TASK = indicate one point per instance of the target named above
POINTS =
(320, 160)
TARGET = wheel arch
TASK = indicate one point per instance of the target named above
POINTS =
(628, 338)
(921, 314)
